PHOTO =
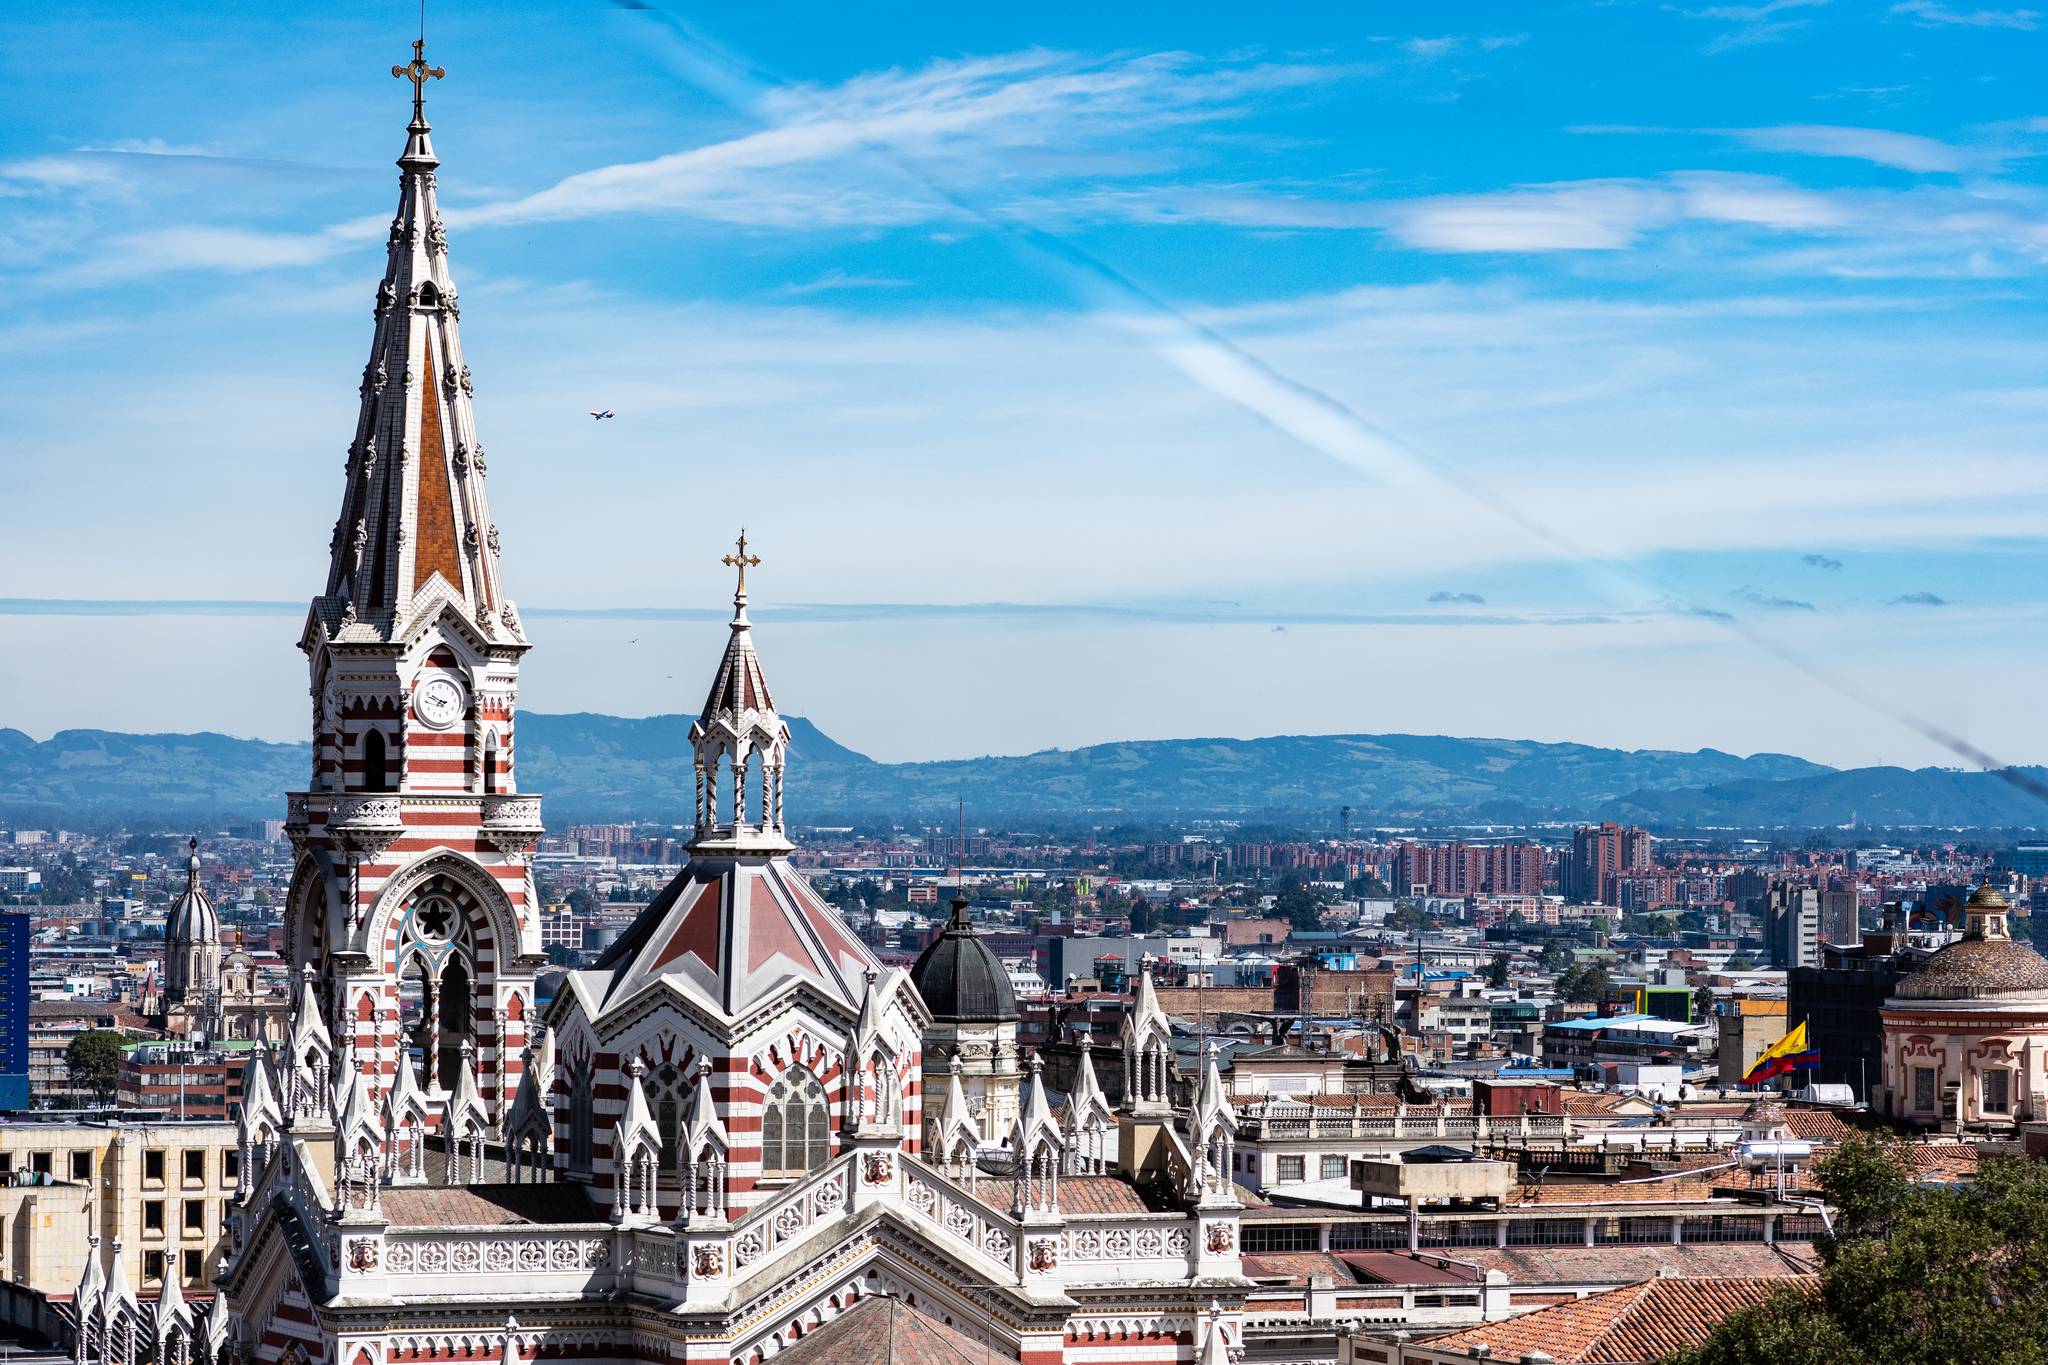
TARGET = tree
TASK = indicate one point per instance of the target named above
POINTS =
(1703, 1002)
(583, 901)
(1144, 917)
(1583, 983)
(1913, 1273)
(1497, 971)
(1553, 957)
(1300, 907)
(93, 1060)
(1739, 963)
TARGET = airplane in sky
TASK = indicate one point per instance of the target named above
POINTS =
(601, 416)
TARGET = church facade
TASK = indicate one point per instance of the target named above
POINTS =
(717, 1142)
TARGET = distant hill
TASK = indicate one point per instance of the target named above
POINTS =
(594, 767)
(611, 767)
(1871, 798)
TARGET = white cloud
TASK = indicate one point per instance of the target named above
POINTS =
(877, 149)
(1583, 216)
(1932, 15)
(1904, 151)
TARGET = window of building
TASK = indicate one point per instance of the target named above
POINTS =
(195, 1166)
(194, 1265)
(152, 1266)
(230, 1167)
(1998, 1091)
(794, 1126)
(153, 1166)
(195, 1215)
(152, 1215)
(1333, 1168)
(1293, 1168)
(81, 1165)
(1269, 1238)
(580, 1120)
(376, 774)
(1923, 1087)
(44, 1162)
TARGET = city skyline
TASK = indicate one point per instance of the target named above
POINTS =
(1737, 332)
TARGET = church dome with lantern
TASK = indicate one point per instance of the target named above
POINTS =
(959, 976)
(1986, 966)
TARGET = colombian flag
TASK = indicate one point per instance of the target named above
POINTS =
(1789, 1053)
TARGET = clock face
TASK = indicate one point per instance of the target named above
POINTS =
(439, 702)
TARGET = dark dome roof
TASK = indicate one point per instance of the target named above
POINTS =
(959, 977)
(1978, 969)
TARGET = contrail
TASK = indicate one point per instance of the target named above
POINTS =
(1299, 410)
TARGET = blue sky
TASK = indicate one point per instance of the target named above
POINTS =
(1644, 374)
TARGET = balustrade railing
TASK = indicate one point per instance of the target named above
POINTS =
(1276, 1120)
(963, 1218)
(786, 1217)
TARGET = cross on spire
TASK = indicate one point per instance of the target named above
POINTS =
(419, 73)
(742, 561)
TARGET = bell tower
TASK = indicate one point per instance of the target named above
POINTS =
(411, 896)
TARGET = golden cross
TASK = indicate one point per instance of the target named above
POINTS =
(743, 561)
(418, 72)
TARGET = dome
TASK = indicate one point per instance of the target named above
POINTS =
(1978, 969)
(959, 977)
(192, 918)
(1984, 966)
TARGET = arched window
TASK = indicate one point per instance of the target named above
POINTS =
(664, 1087)
(794, 1126)
(376, 776)
(490, 764)
(579, 1120)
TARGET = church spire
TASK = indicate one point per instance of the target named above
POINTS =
(415, 529)
(741, 743)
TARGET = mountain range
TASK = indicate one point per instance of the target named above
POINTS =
(596, 767)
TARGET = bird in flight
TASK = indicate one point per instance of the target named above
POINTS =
(601, 416)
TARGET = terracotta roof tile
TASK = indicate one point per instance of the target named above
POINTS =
(1297, 1266)
(886, 1329)
(1085, 1194)
(1642, 1322)
(1617, 1265)
(430, 1206)
(1818, 1125)
(1400, 1267)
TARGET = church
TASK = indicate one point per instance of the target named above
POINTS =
(738, 1134)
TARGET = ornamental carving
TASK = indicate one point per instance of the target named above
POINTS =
(748, 1249)
(959, 1221)
(876, 1169)
(1218, 1240)
(362, 1253)
(464, 1258)
(596, 1254)
(998, 1243)
(1149, 1242)
(789, 1222)
(1044, 1254)
(922, 1199)
(707, 1261)
(829, 1197)
(404, 1258)
(498, 1257)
